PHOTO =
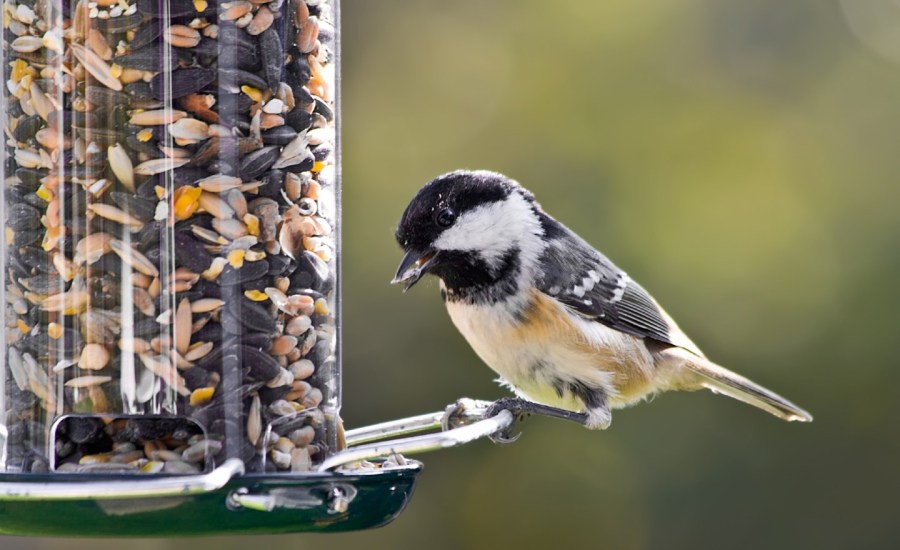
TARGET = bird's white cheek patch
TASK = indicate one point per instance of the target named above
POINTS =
(493, 230)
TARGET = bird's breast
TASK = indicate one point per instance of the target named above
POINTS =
(539, 347)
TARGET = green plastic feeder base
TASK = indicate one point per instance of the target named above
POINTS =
(329, 502)
(227, 501)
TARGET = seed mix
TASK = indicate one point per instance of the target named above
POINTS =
(169, 206)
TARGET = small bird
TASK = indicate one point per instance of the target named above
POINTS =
(556, 319)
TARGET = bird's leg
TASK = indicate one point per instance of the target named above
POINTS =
(596, 406)
(520, 408)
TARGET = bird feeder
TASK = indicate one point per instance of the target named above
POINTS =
(171, 292)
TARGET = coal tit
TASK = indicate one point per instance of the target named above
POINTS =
(556, 319)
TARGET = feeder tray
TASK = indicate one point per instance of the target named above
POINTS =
(365, 486)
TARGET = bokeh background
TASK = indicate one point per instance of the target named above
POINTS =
(738, 158)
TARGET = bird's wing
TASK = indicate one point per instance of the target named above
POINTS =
(588, 283)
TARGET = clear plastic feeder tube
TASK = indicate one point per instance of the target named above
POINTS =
(171, 219)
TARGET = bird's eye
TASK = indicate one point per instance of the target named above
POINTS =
(445, 217)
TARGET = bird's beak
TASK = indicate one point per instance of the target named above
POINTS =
(414, 264)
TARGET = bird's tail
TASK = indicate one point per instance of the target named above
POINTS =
(721, 380)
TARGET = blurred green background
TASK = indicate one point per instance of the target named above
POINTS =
(738, 158)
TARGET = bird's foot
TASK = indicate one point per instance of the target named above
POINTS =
(515, 406)
(521, 408)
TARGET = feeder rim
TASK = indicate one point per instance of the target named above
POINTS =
(124, 489)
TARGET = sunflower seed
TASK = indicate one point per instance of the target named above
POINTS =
(263, 366)
(257, 162)
(41, 284)
(141, 208)
(272, 57)
(249, 272)
(146, 35)
(22, 217)
(279, 135)
(27, 127)
(190, 253)
(149, 59)
(180, 82)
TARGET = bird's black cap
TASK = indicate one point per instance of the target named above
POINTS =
(458, 192)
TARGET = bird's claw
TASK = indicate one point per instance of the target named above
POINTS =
(505, 437)
(465, 411)
(517, 407)
(455, 415)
